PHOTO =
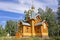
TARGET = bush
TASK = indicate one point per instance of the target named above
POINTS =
(57, 38)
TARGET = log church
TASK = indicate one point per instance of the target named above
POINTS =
(33, 25)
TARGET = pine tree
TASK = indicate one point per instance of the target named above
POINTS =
(11, 27)
(58, 13)
(49, 16)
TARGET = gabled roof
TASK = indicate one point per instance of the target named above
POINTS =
(40, 23)
(24, 23)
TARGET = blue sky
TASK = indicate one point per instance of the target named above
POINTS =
(14, 9)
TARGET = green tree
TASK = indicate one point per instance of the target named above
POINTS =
(11, 27)
(1, 30)
(41, 13)
(58, 13)
(49, 16)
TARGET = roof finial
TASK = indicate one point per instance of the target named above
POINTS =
(32, 5)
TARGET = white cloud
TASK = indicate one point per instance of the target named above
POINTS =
(52, 2)
(10, 7)
(7, 17)
(25, 5)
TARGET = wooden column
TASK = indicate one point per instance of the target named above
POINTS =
(33, 33)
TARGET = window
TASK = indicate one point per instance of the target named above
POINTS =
(38, 30)
(27, 29)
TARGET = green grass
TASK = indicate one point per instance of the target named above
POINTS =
(30, 38)
(13, 38)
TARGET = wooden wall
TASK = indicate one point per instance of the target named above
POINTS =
(26, 31)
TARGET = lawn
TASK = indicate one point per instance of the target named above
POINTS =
(30, 38)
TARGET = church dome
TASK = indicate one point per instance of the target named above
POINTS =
(32, 7)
